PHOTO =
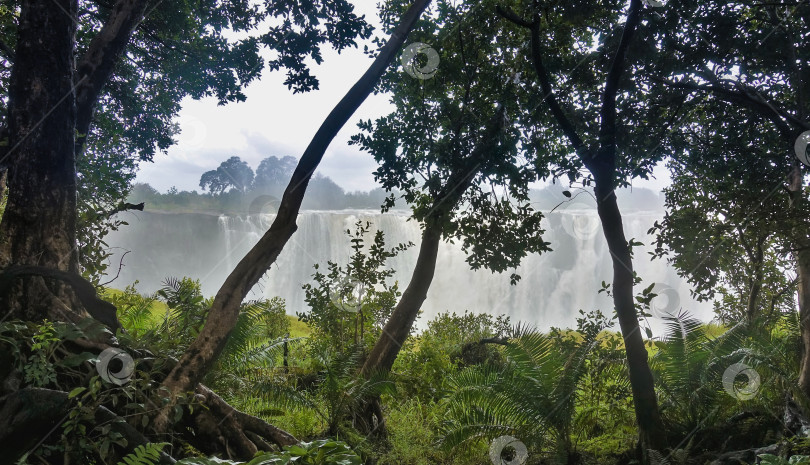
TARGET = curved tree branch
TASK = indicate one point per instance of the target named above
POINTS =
(785, 122)
(96, 66)
(549, 96)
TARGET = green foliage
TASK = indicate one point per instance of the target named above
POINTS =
(770, 459)
(452, 147)
(532, 396)
(106, 170)
(349, 305)
(691, 366)
(46, 355)
(413, 427)
(450, 343)
(40, 371)
(320, 452)
(184, 313)
(344, 392)
(250, 360)
(146, 454)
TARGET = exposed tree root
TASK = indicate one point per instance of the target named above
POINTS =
(27, 416)
(32, 416)
(219, 428)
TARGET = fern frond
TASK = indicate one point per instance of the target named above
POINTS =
(145, 454)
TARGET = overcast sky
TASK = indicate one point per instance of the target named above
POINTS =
(273, 121)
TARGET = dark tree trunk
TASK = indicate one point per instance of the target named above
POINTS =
(651, 428)
(755, 284)
(397, 328)
(39, 223)
(222, 317)
(602, 165)
(802, 255)
(803, 272)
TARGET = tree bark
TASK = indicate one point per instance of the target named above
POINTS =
(802, 255)
(651, 430)
(398, 326)
(27, 416)
(222, 317)
(755, 284)
(39, 223)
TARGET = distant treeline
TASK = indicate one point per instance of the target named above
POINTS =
(235, 188)
(322, 194)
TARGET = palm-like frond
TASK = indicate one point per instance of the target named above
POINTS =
(533, 395)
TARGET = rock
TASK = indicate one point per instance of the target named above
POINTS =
(747, 456)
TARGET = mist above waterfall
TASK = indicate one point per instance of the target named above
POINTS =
(554, 285)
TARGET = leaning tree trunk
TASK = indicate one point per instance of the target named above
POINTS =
(650, 426)
(222, 316)
(398, 326)
(39, 222)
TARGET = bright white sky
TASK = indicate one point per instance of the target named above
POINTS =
(273, 121)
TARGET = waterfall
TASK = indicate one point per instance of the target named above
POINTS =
(553, 286)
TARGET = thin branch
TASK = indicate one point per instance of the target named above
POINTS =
(607, 129)
(120, 266)
(751, 99)
(122, 207)
(96, 66)
(545, 83)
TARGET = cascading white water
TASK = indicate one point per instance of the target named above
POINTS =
(554, 285)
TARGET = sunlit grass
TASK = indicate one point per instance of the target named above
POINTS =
(158, 310)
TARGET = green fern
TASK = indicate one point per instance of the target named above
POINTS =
(532, 397)
(145, 454)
